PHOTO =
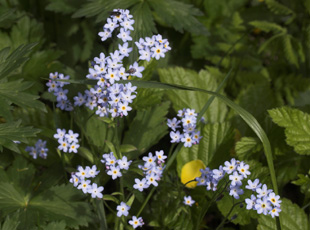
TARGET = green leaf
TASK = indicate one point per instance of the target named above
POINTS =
(9, 63)
(297, 127)
(215, 138)
(268, 26)
(12, 93)
(247, 146)
(56, 226)
(304, 182)
(291, 216)
(60, 6)
(191, 99)
(61, 203)
(278, 8)
(127, 148)
(95, 130)
(26, 30)
(148, 127)
(12, 131)
(289, 51)
(173, 13)
(84, 152)
(147, 98)
(110, 198)
(10, 198)
(11, 222)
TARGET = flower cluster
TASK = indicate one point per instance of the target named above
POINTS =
(265, 202)
(154, 47)
(79, 180)
(114, 166)
(153, 168)
(118, 18)
(190, 135)
(67, 141)
(39, 148)
(57, 88)
(108, 97)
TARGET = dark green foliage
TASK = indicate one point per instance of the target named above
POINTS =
(263, 44)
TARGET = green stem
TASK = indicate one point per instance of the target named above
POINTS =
(146, 200)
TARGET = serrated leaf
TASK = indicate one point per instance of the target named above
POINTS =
(215, 137)
(297, 127)
(247, 146)
(173, 12)
(12, 131)
(268, 26)
(278, 8)
(148, 127)
(291, 216)
(11, 222)
(56, 226)
(73, 212)
(190, 99)
(14, 60)
(12, 93)
(304, 182)
(147, 97)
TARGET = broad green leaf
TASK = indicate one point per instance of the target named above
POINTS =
(9, 63)
(147, 97)
(191, 99)
(297, 127)
(12, 131)
(291, 216)
(216, 142)
(264, 98)
(247, 146)
(11, 199)
(12, 93)
(173, 13)
(148, 127)
(95, 130)
(26, 30)
(61, 203)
